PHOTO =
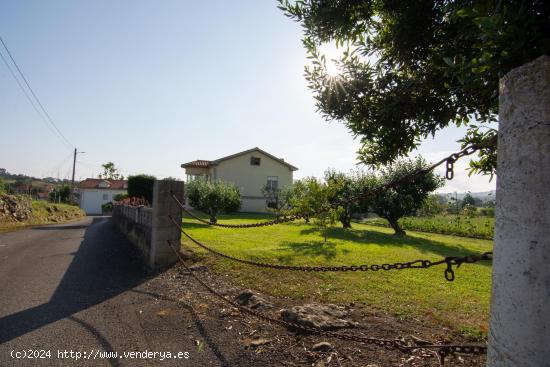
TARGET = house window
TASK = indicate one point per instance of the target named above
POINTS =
(272, 182)
(105, 196)
(255, 161)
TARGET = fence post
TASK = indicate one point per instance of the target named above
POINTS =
(519, 333)
(162, 227)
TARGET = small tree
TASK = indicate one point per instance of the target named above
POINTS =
(271, 195)
(110, 172)
(470, 200)
(213, 197)
(434, 204)
(60, 194)
(406, 198)
(343, 188)
(311, 198)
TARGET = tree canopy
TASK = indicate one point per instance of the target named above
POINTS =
(110, 172)
(403, 199)
(213, 197)
(411, 68)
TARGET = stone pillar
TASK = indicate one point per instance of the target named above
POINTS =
(160, 253)
(519, 333)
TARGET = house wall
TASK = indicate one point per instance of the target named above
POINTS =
(92, 199)
(250, 179)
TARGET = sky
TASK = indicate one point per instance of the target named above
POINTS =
(150, 85)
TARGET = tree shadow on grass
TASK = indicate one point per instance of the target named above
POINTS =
(369, 237)
(327, 250)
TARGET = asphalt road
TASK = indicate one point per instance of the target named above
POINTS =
(81, 288)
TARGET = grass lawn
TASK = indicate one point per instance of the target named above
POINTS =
(420, 293)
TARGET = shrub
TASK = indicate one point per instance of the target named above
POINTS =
(141, 186)
(487, 212)
(213, 197)
(120, 197)
(107, 207)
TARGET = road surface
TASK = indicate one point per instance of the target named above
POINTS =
(78, 290)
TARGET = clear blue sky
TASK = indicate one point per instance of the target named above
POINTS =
(150, 85)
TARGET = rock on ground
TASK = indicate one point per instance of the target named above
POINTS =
(326, 317)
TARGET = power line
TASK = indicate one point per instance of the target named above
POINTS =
(27, 96)
(32, 92)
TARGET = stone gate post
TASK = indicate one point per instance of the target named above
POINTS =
(162, 227)
(519, 332)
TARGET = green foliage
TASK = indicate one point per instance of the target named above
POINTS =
(119, 197)
(60, 194)
(487, 212)
(469, 210)
(311, 198)
(411, 68)
(407, 197)
(434, 204)
(272, 196)
(110, 172)
(475, 227)
(470, 200)
(107, 207)
(2, 186)
(345, 187)
(141, 186)
(213, 197)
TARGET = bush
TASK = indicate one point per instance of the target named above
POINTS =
(487, 212)
(120, 197)
(107, 207)
(141, 186)
(60, 194)
(213, 197)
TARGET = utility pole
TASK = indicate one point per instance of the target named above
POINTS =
(74, 169)
(74, 166)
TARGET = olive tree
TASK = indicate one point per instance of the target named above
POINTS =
(404, 198)
(213, 197)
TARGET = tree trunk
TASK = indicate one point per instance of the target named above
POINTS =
(213, 217)
(395, 225)
(346, 222)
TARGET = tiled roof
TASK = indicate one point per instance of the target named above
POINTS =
(94, 183)
(198, 163)
(205, 164)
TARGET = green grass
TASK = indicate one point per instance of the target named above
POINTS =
(421, 293)
(43, 212)
(475, 227)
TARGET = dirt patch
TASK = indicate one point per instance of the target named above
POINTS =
(258, 343)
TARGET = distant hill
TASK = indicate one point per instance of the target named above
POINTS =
(483, 195)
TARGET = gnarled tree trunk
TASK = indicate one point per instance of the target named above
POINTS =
(395, 225)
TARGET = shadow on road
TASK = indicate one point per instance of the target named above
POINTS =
(104, 266)
(199, 326)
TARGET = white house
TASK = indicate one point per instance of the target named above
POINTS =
(95, 192)
(249, 171)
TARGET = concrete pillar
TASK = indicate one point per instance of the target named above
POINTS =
(519, 333)
(160, 253)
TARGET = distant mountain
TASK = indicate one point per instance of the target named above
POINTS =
(483, 195)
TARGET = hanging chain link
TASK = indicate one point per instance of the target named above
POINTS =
(395, 344)
(450, 261)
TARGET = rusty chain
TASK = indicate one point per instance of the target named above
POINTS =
(449, 174)
(394, 344)
(450, 261)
